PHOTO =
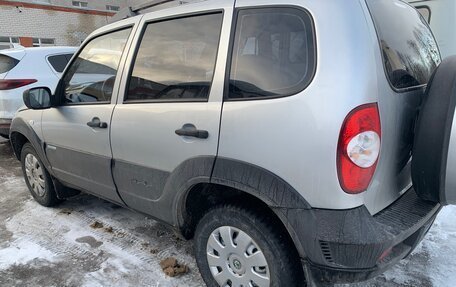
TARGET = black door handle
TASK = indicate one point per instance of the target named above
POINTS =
(96, 123)
(189, 130)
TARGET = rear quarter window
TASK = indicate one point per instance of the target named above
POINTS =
(409, 50)
(7, 63)
(59, 62)
(273, 53)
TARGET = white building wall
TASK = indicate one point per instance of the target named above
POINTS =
(92, 4)
(67, 28)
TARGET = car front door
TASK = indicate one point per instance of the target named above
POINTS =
(170, 115)
(77, 131)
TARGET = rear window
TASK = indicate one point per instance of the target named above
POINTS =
(7, 63)
(59, 62)
(410, 52)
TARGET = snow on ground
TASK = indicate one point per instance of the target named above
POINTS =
(58, 247)
(22, 252)
(438, 251)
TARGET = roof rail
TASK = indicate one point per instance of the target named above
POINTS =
(132, 11)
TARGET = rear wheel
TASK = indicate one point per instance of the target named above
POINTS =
(236, 247)
(37, 178)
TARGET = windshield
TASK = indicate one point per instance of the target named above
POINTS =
(409, 50)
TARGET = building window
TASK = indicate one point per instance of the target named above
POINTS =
(112, 8)
(43, 42)
(7, 42)
(80, 4)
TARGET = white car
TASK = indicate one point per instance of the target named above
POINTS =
(25, 68)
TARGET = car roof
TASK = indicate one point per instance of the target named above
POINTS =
(44, 51)
(198, 4)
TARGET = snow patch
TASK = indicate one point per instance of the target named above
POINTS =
(23, 252)
(440, 244)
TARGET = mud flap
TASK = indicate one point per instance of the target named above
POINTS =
(434, 148)
(62, 191)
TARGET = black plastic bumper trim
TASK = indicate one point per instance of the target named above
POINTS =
(355, 242)
(324, 274)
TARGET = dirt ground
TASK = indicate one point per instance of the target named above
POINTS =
(90, 242)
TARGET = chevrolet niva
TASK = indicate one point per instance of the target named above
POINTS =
(277, 134)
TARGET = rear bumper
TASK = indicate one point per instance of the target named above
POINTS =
(5, 125)
(347, 246)
(327, 274)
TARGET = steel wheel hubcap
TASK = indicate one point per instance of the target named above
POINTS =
(235, 260)
(35, 175)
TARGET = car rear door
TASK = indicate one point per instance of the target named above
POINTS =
(77, 131)
(170, 113)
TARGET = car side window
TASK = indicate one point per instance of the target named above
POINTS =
(273, 53)
(176, 60)
(91, 76)
(59, 62)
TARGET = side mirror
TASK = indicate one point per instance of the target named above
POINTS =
(37, 98)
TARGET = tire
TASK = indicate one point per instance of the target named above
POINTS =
(283, 264)
(37, 178)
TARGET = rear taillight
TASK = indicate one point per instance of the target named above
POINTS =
(16, 83)
(358, 148)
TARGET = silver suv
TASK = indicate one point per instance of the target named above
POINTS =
(277, 134)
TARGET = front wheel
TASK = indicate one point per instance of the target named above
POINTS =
(236, 247)
(37, 178)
